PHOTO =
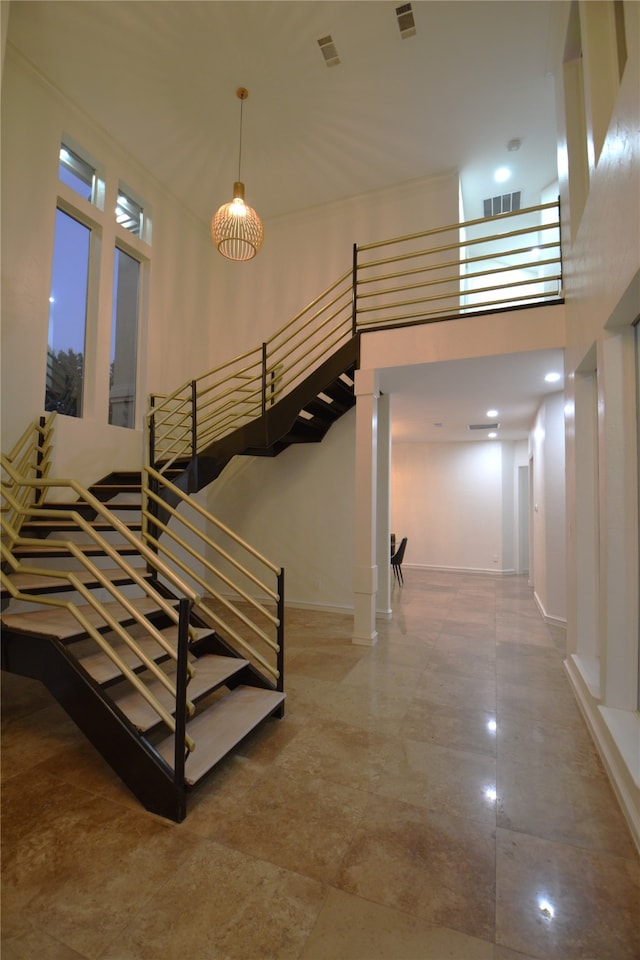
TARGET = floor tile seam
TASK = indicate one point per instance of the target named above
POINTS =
(452, 746)
(134, 917)
(367, 791)
(37, 928)
(325, 896)
(575, 847)
(411, 916)
(430, 810)
(546, 714)
(463, 752)
(599, 771)
(490, 823)
(548, 767)
(88, 796)
(222, 842)
(435, 673)
(385, 684)
(548, 685)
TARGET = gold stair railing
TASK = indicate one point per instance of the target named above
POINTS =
(471, 268)
(242, 598)
(438, 274)
(451, 271)
(240, 390)
(237, 590)
(30, 458)
(18, 494)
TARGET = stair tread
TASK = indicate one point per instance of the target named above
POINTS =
(36, 582)
(211, 671)
(60, 623)
(221, 727)
(103, 669)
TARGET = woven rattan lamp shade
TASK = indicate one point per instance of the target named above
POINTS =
(236, 229)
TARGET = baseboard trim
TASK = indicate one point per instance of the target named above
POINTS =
(547, 617)
(320, 607)
(623, 779)
(481, 571)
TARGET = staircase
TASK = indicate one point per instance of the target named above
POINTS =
(100, 605)
(264, 421)
(129, 651)
(155, 626)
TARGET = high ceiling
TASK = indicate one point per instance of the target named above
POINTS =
(160, 77)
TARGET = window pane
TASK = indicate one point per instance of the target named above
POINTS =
(67, 316)
(124, 341)
(129, 214)
(76, 173)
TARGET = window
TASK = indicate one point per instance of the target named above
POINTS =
(94, 320)
(67, 316)
(129, 214)
(124, 340)
(77, 173)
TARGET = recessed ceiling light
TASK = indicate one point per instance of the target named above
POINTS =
(502, 174)
(552, 377)
(492, 413)
(492, 435)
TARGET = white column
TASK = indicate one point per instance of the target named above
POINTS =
(383, 526)
(365, 570)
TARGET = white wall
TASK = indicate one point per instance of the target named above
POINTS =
(297, 509)
(305, 253)
(35, 118)
(602, 286)
(455, 503)
(549, 532)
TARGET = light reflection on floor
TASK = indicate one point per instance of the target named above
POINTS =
(434, 796)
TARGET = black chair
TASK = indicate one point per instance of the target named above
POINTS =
(396, 561)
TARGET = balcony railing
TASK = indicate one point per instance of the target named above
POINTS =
(509, 261)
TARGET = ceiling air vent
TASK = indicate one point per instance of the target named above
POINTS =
(483, 426)
(507, 203)
(406, 23)
(329, 51)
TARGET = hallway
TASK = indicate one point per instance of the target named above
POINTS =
(435, 797)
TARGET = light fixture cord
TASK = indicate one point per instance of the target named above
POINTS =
(240, 145)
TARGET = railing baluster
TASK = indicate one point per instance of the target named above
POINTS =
(264, 379)
(184, 611)
(193, 478)
(354, 292)
(280, 660)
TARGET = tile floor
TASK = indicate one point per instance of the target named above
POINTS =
(435, 797)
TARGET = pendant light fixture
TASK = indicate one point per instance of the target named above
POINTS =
(236, 229)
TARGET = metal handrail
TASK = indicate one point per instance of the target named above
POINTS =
(433, 284)
(185, 526)
(12, 538)
(240, 389)
(30, 457)
(507, 270)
